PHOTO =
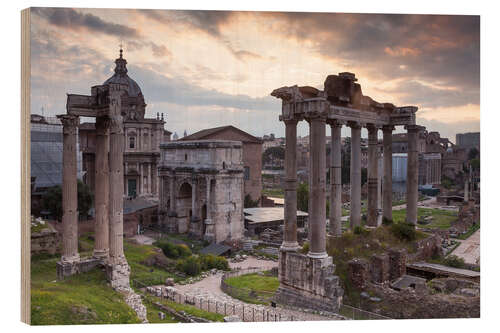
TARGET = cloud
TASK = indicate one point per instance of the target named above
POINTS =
(69, 18)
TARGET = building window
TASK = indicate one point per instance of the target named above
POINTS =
(185, 157)
(247, 173)
(131, 142)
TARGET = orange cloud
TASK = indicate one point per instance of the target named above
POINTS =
(402, 51)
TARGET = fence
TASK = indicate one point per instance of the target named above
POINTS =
(245, 312)
(359, 314)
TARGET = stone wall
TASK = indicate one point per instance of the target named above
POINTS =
(45, 241)
(426, 249)
(359, 272)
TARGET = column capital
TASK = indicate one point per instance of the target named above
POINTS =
(69, 122)
(102, 125)
(372, 128)
(388, 128)
(116, 124)
(334, 123)
(414, 128)
(316, 116)
(290, 121)
(354, 125)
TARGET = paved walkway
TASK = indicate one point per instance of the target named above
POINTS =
(469, 249)
(209, 288)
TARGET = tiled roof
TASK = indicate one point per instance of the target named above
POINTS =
(207, 133)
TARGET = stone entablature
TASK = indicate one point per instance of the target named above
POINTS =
(201, 189)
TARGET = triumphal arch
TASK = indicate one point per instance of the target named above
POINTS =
(309, 280)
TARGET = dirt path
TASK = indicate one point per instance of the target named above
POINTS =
(469, 249)
(210, 288)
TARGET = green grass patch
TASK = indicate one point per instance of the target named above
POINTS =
(273, 192)
(84, 298)
(136, 255)
(441, 219)
(469, 232)
(254, 288)
(189, 309)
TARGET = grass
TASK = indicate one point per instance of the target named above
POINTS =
(469, 232)
(189, 309)
(81, 299)
(194, 245)
(441, 218)
(136, 255)
(273, 192)
(255, 288)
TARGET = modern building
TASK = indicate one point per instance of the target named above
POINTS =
(252, 154)
(469, 140)
(143, 137)
(201, 189)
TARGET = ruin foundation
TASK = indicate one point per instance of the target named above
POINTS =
(68, 268)
(118, 274)
(308, 282)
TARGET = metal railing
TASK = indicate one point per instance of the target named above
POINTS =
(359, 314)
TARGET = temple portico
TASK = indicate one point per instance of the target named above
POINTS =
(308, 280)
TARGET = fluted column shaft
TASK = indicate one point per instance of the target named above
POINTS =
(372, 176)
(69, 190)
(387, 185)
(101, 195)
(412, 175)
(355, 213)
(336, 181)
(116, 189)
(290, 232)
(317, 210)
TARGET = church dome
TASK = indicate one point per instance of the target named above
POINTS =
(121, 77)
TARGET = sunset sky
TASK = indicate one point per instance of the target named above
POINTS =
(211, 68)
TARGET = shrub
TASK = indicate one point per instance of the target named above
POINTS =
(454, 261)
(305, 248)
(359, 230)
(174, 251)
(386, 221)
(404, 231)
(210, 262)
(190, 266)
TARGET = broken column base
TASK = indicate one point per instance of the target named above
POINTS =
(118, 274)
(308, 283)
(68, 268)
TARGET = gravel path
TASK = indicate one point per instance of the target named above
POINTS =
(209, 288)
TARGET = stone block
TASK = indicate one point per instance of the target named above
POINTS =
(379, 268)
(397, 263)
(359, 273)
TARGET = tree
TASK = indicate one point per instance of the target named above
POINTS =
(52, 200)
(249, 203)
(276, 152)
(473, 153)
(474, 163)
(303, 197)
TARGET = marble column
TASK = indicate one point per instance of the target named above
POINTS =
(194, 202)
(149, 179)
(69, 190)
(172, 194)
(336, 181)
(387, 185)
(412, 175)
(355, 214)
(372, 215)
(116, 254)
(290, 233)
(101, 195)
(142, 178)
(317, 187)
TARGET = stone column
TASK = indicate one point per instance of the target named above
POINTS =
(317, 210)
(336, 181)
(412, 175)
(69, 190)
(209, 226)
(290, 232)
(142, 178)
(116, 190)
(172, 194)
(101, 195)
(149, 179)
(372, 216)
(387, 185)
(355, 214)
(194, 203)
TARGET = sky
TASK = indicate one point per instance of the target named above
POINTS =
(205, 69)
